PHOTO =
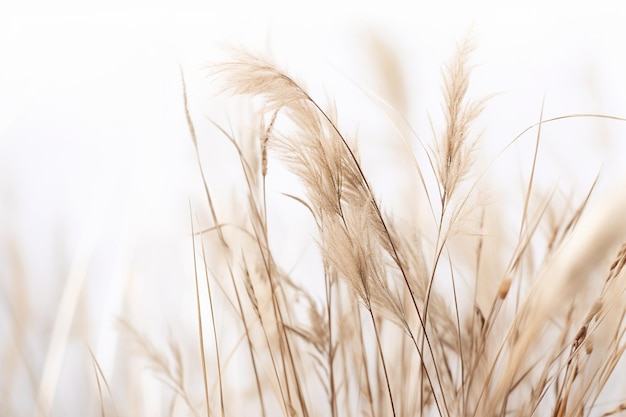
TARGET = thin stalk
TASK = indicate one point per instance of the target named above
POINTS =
(199, 314)
(331, 351)
(217, 350)
(382, 360)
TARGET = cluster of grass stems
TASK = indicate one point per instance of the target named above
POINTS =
(407, 325)
(541, 336)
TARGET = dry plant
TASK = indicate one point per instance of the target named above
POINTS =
(540, 335)
(448, 318)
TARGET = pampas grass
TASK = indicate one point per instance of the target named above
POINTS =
(452, 310)
(388, 339)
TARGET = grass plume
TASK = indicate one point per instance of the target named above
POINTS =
(464, 358)
(471, 310)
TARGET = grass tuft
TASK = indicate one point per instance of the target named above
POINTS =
(473, 310)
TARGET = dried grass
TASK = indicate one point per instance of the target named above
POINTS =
(432, 354)
(474, 317)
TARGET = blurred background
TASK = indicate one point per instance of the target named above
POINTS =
(97, 168)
